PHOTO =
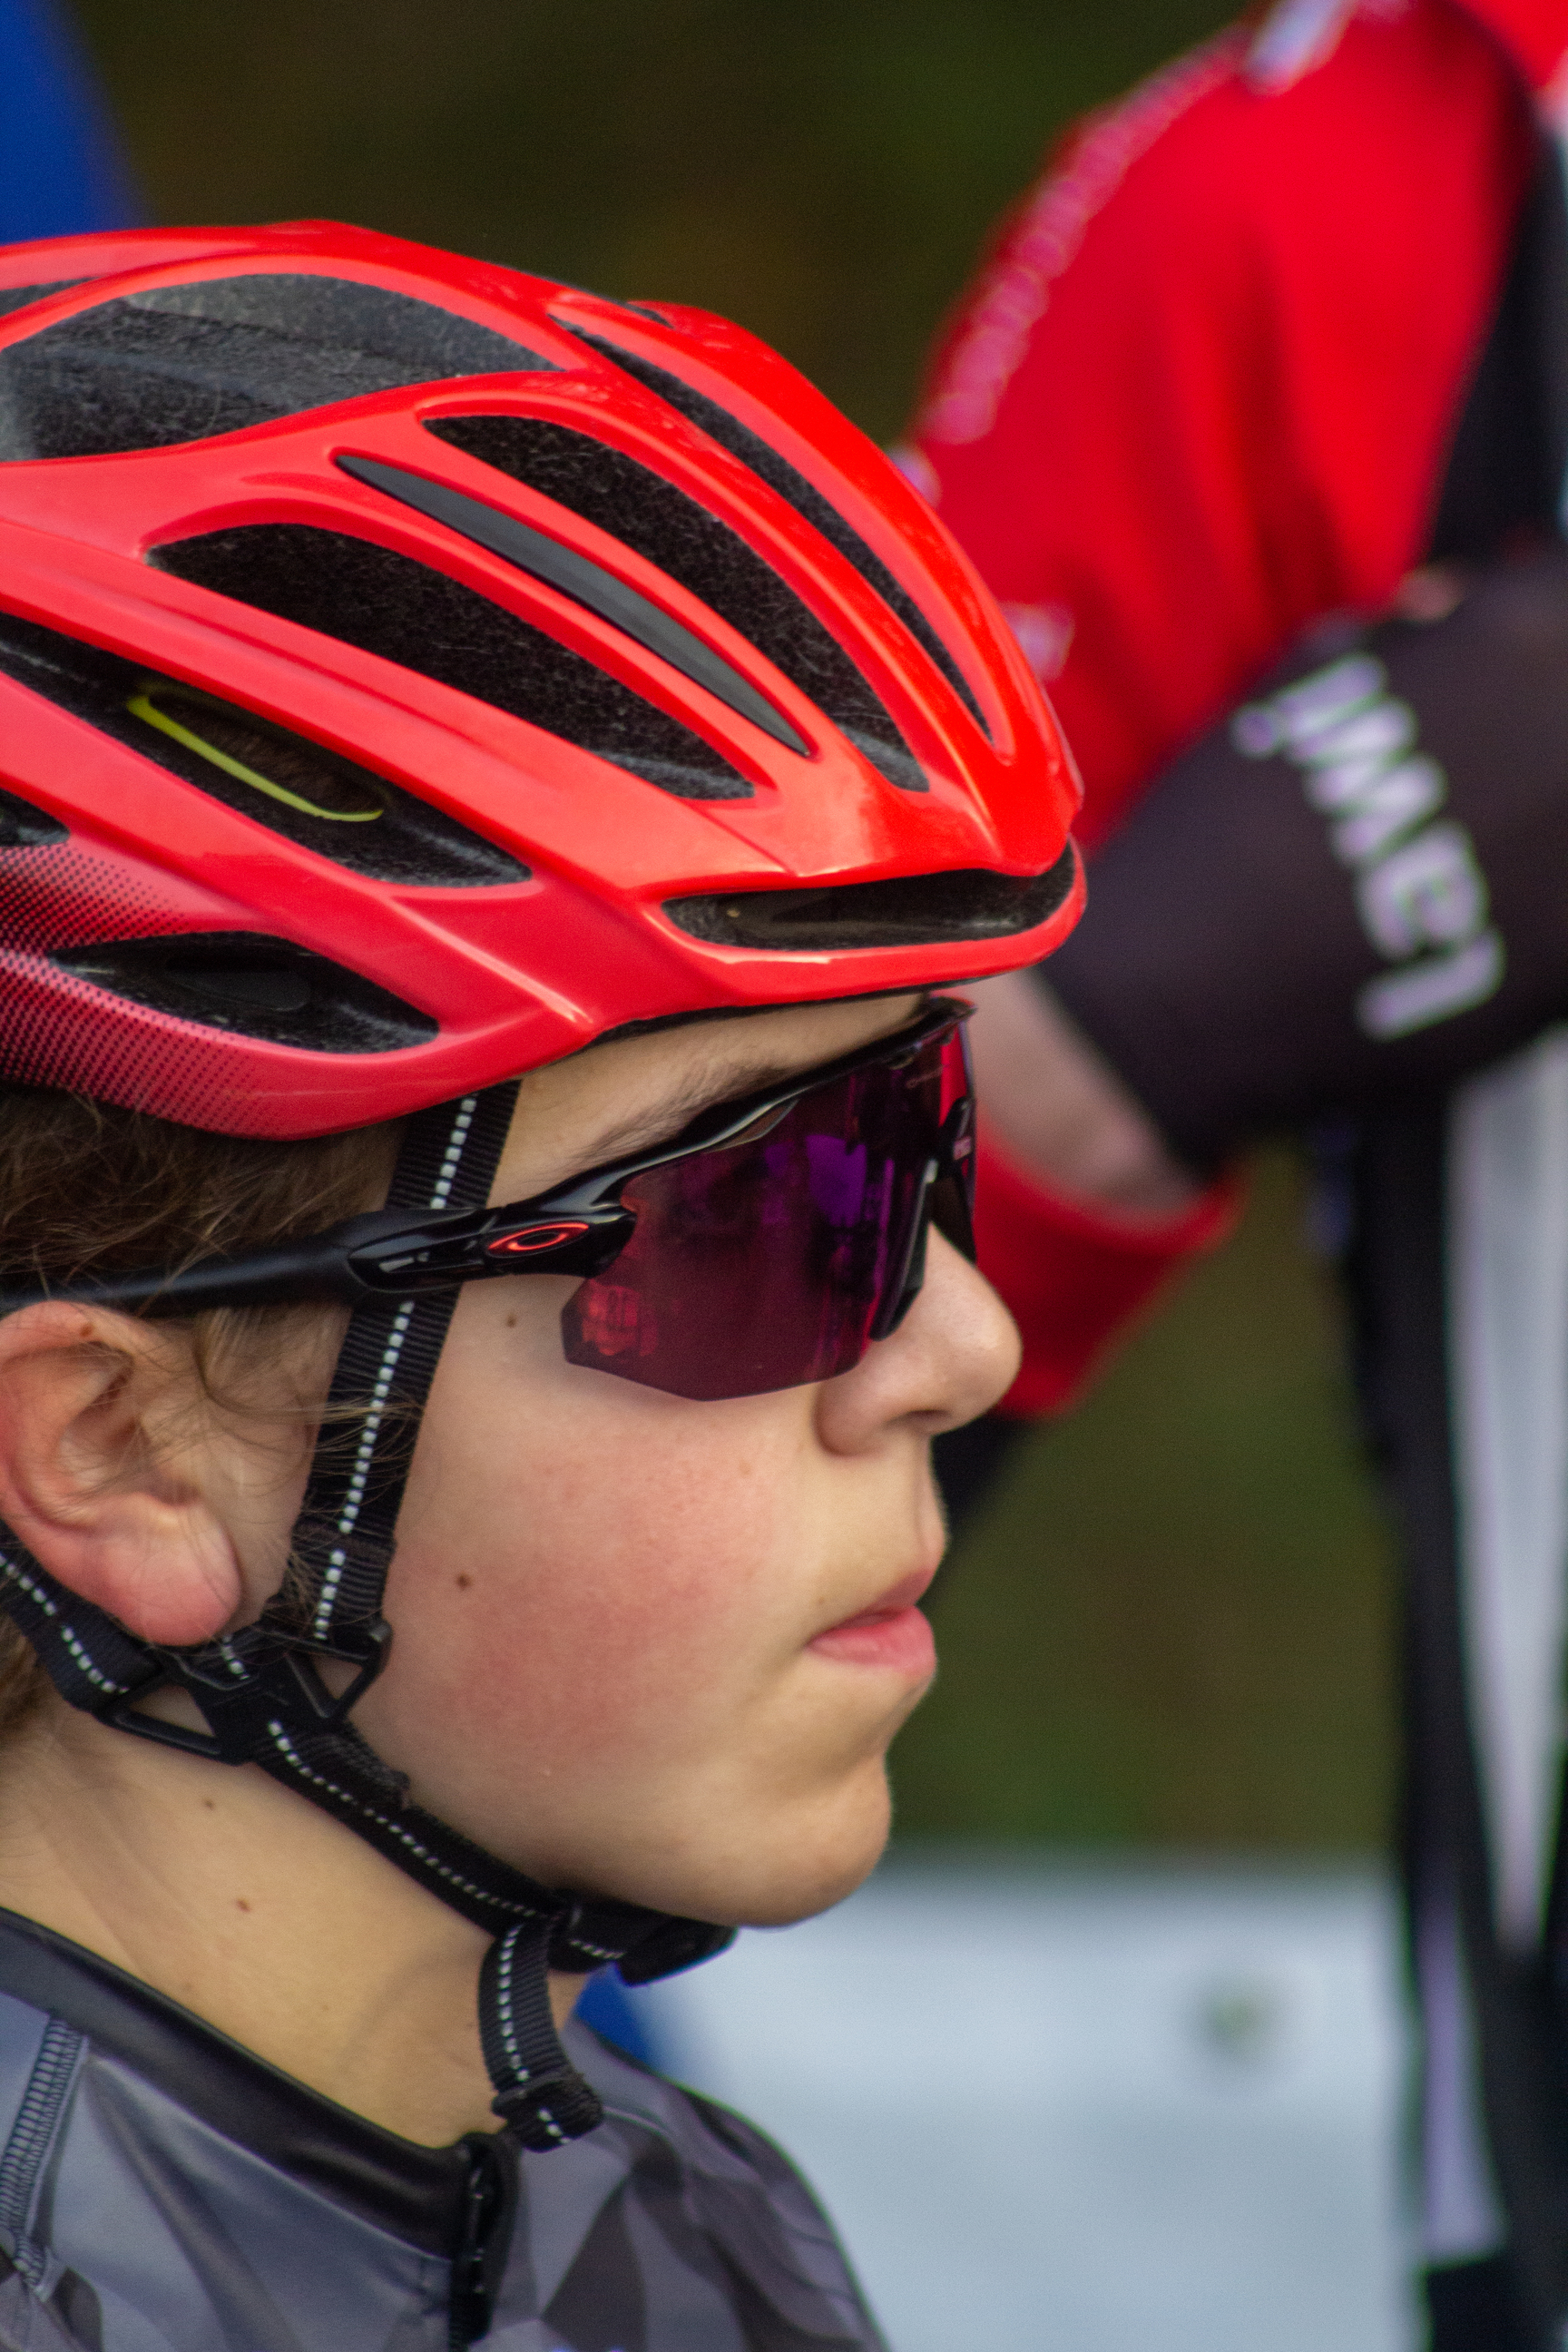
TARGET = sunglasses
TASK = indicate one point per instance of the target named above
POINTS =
(767, 1246)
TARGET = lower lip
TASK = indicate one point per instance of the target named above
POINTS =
(900, 1641)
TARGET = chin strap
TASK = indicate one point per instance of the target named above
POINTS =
(537, 2088)
(262, 1694)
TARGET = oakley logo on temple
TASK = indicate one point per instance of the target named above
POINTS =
(537, 1237)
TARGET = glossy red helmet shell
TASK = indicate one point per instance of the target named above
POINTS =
(676, 698)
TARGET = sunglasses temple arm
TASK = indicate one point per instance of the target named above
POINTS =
(320, 1266)
(302, 1271)
(386, 1254)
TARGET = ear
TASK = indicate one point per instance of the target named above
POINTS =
(117, 1515)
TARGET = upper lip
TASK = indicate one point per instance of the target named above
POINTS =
(897, 1598)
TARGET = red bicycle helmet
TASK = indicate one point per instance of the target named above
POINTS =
(411, 669)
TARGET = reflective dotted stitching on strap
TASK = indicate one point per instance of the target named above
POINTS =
(359, 1477)
(508, 2024)
(296, 1762)
(504, 2017)
(594, 1951)
(453, 1156)
(67, 1633)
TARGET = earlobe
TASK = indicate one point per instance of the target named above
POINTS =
(118, 1520)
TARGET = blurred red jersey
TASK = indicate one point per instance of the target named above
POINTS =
(1201, 396)
(1203, 392)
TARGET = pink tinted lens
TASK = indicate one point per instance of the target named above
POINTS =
(767, 1264)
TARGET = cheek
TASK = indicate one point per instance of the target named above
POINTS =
(588, 1570)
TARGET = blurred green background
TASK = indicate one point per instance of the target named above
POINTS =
(822, 172)
(1173, 1627)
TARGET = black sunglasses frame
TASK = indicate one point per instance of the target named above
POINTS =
(578, 1227)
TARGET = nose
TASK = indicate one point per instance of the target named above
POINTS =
(954, 1353)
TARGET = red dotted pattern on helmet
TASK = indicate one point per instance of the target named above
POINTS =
(58, 896)
(58, 1030)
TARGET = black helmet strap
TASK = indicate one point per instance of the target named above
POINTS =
(264, 1702)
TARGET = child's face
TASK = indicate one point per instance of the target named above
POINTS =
(613, 1660)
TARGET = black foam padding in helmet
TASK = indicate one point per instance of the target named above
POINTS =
(907, 910)
(183, 362)
(658, 519)
(293, 786)
(804, 497)
(260, 986)
(405, 611)
(22, 826)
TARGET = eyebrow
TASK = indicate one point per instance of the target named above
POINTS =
(727, 1080)
(698, 1091)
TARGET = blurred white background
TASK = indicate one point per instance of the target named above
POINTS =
(1061, 2110)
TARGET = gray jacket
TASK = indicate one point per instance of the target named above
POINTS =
(161, 2189)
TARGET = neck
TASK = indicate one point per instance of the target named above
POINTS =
(270, 1920)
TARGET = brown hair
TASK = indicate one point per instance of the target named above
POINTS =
(89, 1189)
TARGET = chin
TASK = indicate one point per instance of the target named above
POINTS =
(769, 1864)
(805, 1867)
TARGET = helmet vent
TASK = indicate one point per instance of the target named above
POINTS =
(908, 910)
(665, 526)
(183, 362)
(22, 827)
(391, 606)
(587, 582)
(292, 786)
(803, 496)
(258, 986)
(18, 298)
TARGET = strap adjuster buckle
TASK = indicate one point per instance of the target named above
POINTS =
(244, 1685)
